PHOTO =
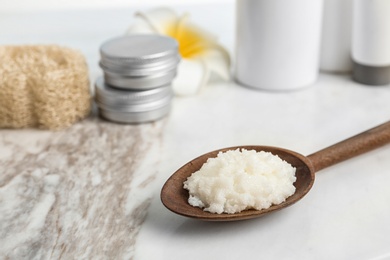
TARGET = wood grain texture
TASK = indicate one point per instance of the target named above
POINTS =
(351, 147)
(175, 197)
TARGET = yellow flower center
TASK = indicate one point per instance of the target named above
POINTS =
(191, 41)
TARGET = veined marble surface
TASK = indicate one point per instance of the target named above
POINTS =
(78, 193)
(92, 191)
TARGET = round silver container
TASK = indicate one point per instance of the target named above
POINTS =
(132, 106)
(139, 82)
(139, 61)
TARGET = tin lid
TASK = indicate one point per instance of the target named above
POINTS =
(131, 100)
(139, 54)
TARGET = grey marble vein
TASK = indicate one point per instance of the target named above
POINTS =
(79, 195)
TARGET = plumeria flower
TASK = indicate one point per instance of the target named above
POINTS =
(201, 54)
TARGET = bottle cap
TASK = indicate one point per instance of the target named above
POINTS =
(371, 75)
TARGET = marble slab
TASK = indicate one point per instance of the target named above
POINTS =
(92, 191)
(77, 193)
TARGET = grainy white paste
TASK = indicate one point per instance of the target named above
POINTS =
(237, 180)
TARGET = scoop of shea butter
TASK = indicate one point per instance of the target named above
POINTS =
(238, 180)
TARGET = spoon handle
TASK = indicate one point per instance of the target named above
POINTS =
(351, 147)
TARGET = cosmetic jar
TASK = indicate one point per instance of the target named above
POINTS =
(336, 36)
(139, 61)
(371, 42)
(138, 72)
(277, 43)
(132, 106)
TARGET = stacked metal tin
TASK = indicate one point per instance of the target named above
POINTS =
(138, 72)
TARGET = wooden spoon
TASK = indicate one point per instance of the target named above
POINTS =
(175, 197)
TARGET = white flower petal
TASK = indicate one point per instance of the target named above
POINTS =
(159, 19)
(191, 76)
(184, 22)
(217, 61)
(201, 57)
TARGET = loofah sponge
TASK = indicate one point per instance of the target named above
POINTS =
(43, 86)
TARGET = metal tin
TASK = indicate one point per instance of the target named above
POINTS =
(132, 106)
(139, 61)
(140, 82)
(129, 117)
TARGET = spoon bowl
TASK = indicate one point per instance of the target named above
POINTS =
(175, 197)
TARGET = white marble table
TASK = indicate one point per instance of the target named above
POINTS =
(92, 191)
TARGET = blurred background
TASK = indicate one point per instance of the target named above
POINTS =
(85, 24)
(28, 5)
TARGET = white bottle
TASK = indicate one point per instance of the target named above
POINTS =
(336, 36)
(371, 41)
(278, 43)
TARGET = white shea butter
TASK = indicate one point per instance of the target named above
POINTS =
(237, 180)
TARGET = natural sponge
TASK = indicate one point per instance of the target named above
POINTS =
(45, 86)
